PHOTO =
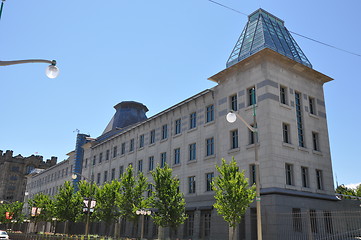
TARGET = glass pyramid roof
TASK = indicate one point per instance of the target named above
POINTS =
(263, 30)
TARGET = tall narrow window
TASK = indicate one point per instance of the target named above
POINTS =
(192, 151)
(205, 224)
(297, 219)
(150, 190)
(140, 166)
(131, 145)
(289, 174)
(100, 157)
(328, 221)
(312, 105)
(152, 136)
(298, 99)
(121, 171)
(316, 145)
(233, 102)
(189, 224)
(141, 141)
(251, 136)
(151, 163)
(193, 120)
(177, 129)
(165, 131)
(113, 174)
(210, 113)
(252, 174)
(319, 179)
(98, 178)
(210, 146)
(313, 221)
(122, 151)
(192, 184)
(176, 156)
(114, 151)
(163, 159)
(286, 133)
(251, 92)
(105, 176)
(304, 175)
(209, 179)
(107, 154)
(94, 160)
(283, 95)
(234, 139)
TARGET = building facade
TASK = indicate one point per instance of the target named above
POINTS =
(13, 173)
(193, 136)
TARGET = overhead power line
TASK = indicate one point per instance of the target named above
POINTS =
(311, 39)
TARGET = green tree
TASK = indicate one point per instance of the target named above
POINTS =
(167, 199)
(68, 204)
(232, 193)
(348, 192)
(15, 211)
(131, 197)
(106, 206)
(43, 206)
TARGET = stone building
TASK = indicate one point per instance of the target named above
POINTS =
(193, 136)
(13, 173)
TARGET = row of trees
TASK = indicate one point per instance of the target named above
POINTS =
(349, 192)
(121, 199)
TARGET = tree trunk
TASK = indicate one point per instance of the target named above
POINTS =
(163, 233)
(232, 233)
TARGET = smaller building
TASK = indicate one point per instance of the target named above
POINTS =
(13, 173)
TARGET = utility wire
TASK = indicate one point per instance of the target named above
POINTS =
(311, 39)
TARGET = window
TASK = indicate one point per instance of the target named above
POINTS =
(86, 163)
(176, 156)
(210, 146)
(178, 125)
(311, 102)
(98, 178)
(193, 120)
(100, 157)
(141, 141)
(251, 136)
(105, 176)
(94, 160)
(315, 142)
(304, 175)
(299, 118)
(192, 184)
(107, 155)
(205, 224)
(289, 174)
(152, 136)
(252, 174)
(163, 159)
(286, 133)
(210, 113)
(165, 131)
(319, 179)
(209, 179)
(113, 174)
(189, 225)
(121, 171)
(251, 92)
(122, 150)
(313, 221)
(114, 151)
(192, 152)
(131, 145)
(297, 219)
(283, 95)
(140, 166)
(234, 139)
(150, 190)
(233, 102)
(328, 221)
(151, 163)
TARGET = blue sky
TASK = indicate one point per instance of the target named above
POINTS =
(158, 53)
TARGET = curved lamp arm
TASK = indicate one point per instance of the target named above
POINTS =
(52, 70)
(232, 117)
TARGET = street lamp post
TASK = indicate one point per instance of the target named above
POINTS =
(232, 117)
(143, 213)
(52, 71)
(88, 202)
